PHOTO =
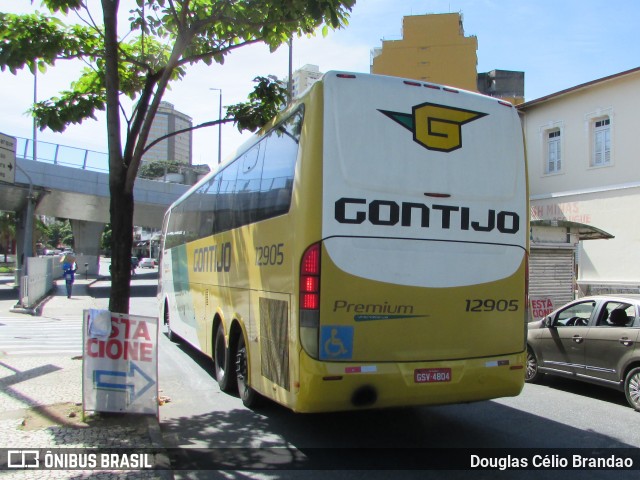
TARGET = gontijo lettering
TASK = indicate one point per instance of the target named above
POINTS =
(212, 258)
(407, 214)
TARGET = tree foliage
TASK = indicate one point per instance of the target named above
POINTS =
(164, 38)
(7, 231)
(60, 234)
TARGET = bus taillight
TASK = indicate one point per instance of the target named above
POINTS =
(310, 293)
(310, 278)
(310, 299)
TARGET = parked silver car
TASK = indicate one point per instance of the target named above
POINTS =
(593, 339)
(147, 263)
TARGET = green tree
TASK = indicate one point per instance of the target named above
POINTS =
(105, 240)
(165, 37)
(157, 169)
(60, 233)
(40, 232)
(7, 231)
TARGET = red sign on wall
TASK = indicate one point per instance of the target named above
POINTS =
(541, 307)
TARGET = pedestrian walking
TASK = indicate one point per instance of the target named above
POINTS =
(68, 272)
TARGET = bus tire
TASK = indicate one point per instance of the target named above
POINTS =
(167, 321)
(224, 376)
(250, 398)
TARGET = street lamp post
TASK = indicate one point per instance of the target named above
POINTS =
(219, 126)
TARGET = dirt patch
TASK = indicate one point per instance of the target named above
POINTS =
(70, 415)
(63, 414)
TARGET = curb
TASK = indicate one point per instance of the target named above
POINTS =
(162, 459)
(34, 310)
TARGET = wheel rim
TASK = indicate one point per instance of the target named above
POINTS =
(532, 365)
(241, 368)
(633, 389)
(166, 320)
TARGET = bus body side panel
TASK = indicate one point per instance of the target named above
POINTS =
(305, 219)
(248, 275)
(268, 323)
(275, 370)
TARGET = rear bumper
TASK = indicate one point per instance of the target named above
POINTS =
(339, 386)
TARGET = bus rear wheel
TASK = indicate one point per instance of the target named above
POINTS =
(250, 398)
(167, 321)
(221, 361)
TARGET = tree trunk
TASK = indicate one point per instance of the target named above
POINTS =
(121, 203)
(121, 211)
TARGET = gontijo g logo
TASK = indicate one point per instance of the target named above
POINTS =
(435, 127)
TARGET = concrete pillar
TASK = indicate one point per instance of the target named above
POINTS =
(87, 245)
(20, 257)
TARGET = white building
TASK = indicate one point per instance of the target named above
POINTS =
(176, 148)
(583, 149)
(304, 77)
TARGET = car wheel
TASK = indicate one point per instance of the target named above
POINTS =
(532, 375)
(221, 361)
(250, 398)
(632, 388)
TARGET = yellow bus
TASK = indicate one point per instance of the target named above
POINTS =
(367, 249)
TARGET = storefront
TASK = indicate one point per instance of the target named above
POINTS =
(553, 269)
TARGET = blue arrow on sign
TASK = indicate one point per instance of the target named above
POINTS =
(101, 384)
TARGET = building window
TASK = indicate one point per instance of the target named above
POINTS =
(601, 146)
(553, 162)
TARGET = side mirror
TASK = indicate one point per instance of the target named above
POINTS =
(548, 322)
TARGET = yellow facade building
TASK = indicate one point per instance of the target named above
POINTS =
(433, 49)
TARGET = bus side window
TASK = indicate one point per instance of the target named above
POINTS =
(174, 228)
(279, 168)
(225, 204)
(248, 184)
(207, 206)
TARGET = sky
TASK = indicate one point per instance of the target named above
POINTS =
(557, 43)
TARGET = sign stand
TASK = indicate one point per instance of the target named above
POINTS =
(7, 158)
(120, 363)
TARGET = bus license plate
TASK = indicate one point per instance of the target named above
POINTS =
(432, 375)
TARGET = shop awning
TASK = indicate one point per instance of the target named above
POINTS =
(584, 231)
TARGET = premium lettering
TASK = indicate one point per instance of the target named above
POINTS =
(408, 214)
(371, 308)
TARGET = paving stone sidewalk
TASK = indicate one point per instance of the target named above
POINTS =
(41, 405)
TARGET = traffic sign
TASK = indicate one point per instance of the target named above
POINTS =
(7, 158)
(120, 362)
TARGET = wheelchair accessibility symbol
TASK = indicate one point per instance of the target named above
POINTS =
(336, 343)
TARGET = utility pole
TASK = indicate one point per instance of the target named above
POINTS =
(219, 125)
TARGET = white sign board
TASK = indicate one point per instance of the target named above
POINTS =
(120, 363)
(7, 158)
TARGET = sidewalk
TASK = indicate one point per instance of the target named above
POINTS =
(41, 397)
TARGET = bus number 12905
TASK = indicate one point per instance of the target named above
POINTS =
(270, 255)
(491, 305)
